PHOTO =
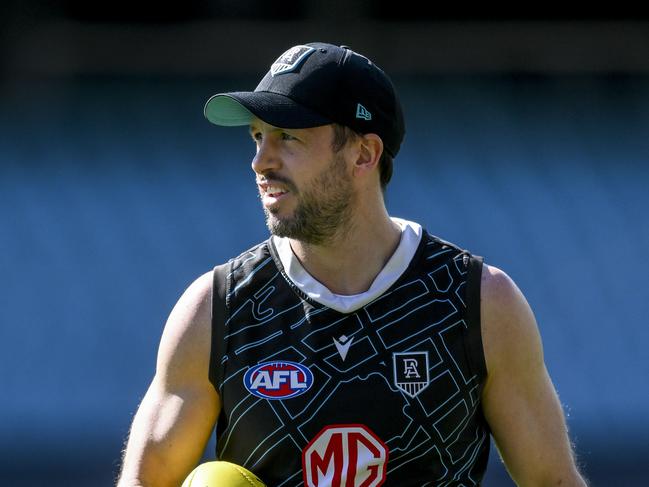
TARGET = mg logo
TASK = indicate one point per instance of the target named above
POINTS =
(347, 455)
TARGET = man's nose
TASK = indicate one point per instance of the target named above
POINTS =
(267, 158)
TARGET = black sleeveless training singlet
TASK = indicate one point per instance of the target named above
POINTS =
(388, 394)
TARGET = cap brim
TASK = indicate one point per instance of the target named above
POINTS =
(239, 108)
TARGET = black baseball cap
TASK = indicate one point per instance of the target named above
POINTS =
(317, 84)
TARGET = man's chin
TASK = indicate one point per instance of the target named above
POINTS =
(278, 226)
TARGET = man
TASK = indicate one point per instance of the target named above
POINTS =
(351, 348)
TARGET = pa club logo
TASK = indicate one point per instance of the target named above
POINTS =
(278, 380)
(291, 60)
(411, 372)
(345, 455)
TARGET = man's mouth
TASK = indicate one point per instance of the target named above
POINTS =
(274, 191)
(271, 193)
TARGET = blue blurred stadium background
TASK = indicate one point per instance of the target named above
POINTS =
(115, 193)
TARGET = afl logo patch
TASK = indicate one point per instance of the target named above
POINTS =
(278, 380)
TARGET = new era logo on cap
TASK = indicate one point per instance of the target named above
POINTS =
(362, 112)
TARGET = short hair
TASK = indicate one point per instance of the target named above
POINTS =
(343, 134)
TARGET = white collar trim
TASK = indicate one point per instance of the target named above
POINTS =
(411, 234)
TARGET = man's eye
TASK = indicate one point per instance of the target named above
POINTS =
(286, 136)
(256, 136)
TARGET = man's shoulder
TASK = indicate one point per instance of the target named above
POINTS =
(247, 262)
(507, 320)
(436, 249)
(498, 290)
(258, 251)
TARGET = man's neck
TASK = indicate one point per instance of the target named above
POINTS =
(350, 262)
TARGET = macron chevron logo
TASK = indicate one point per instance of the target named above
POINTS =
(342, 345)
(362, 112)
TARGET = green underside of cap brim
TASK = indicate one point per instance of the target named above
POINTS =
(225, 110)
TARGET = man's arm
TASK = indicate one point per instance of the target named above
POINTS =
(519, 400)
(176, 416)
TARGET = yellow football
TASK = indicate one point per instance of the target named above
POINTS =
(221, 474)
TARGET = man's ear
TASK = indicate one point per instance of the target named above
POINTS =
(369, 155)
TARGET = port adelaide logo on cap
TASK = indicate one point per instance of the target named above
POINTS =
(291, 60)
(278, 380)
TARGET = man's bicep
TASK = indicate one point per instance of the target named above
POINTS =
(529, 429)
(177, 414)
(519, 399)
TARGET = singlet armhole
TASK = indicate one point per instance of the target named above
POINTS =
(473, 317)
(218, 351)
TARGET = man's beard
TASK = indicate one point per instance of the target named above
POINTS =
(323, 210)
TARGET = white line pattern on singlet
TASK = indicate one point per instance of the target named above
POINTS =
(369, 361)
